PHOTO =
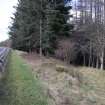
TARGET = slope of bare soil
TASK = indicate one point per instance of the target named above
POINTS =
(68, 85)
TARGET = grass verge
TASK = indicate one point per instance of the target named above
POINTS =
(19, 86)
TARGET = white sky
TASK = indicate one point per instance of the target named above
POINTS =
(6, 11)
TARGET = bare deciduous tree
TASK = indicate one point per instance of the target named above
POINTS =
(66, 51)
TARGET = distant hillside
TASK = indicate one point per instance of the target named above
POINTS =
(6, 43)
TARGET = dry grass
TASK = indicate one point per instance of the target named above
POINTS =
(68, 85)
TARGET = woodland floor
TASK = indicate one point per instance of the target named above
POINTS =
(68, 85)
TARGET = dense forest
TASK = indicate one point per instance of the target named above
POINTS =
(71, 30)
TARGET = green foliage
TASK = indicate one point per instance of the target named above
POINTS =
(56, 25)
(25, 30)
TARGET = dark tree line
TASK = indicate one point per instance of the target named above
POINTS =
(73, 32)
(90, 27)
(38, 24)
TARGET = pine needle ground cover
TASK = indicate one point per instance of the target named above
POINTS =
(19, 86)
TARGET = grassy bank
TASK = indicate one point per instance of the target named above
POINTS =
(70, 85)
(19, 86)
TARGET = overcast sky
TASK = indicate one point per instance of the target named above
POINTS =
(6, 11)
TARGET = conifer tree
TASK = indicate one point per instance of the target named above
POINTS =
(38, 24)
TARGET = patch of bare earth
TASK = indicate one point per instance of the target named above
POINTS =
(63, 84)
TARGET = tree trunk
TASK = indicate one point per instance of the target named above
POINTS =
(93, 61)
(84, 60)
(91, 10)
(40, 37)
(90, 56)
(102, 61)
(41, 32)
(97, 64)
